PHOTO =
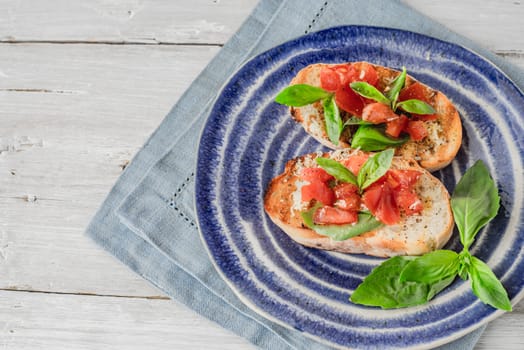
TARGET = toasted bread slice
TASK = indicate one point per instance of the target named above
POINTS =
(413, 235)
(434, 152)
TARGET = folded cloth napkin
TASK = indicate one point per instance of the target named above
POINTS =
(148, 219)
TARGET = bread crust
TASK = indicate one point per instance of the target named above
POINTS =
(436, 151)
(413, 235)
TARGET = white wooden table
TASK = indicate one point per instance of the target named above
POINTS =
(82, 86)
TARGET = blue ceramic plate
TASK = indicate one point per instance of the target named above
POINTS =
(248, 138)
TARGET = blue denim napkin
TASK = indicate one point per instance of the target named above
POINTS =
(148, 219)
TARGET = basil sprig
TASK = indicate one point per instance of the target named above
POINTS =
(414, 106)
(366, 223)
(302, 94)
(372, 169)
(474, 203)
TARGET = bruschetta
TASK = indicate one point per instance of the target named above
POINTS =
(432, 138)
(404, 210)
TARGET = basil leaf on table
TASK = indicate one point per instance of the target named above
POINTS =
(301, 95)
(432, 267)
(339, 171)
(369, 91)
(486, 286)
(397, 85)
(371, 138)
(383, 287)
(374, 168)
(416, 107)
(366, 222)
(332, 118)
(475, 201)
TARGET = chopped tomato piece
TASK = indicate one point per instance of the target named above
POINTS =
(329, 79)
(396, 126)
(416, 130)
(377, 113)
(354, 163)
(315, 175)
(319, 191)
(368, 74)
(414, 91)
(334, 216)
(380, 200)
(408, 202)
(347, 196)
(404, 178)
(418, 92)
(348, 100)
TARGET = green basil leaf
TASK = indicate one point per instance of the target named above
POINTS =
(395, 87)
(486, 285)
(300, 95)
(432, 267)
(332, 119)
(339, 171)
(416, 107)
(437, 287)
(374, 168)
(371, 138)
(382, 287)
(366, 222)
(474, 202)
(369, 91)
(356, 121)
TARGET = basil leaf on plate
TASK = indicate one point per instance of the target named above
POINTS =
(332, 118)
(300, 95)
(475, 201)
(486, 285)
(339, 171)
(371, 138)
(382, 287)
(416, 107)
(374, 168)
(366, 222)
(432, 267)
(395, 88)
(369, 91)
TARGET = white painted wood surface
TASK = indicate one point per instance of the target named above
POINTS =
(74, 110)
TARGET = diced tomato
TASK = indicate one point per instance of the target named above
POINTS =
(348, 100)
(408, 202)
(414, 91)
(377, 113)
(354, 163)
(329, 79)
(347, 196)
(418, 92)
(334, 216)
(315, 175)
(379, 199)
(367, 73)
(396, 126)
(405, 179)
(319, 191)
(416, 130)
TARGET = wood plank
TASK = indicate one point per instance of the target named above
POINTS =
(51, 321)
(123, 21)
(494, 23)
(63, 143)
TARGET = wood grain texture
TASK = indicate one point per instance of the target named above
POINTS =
(73, 114)
(123, 21)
